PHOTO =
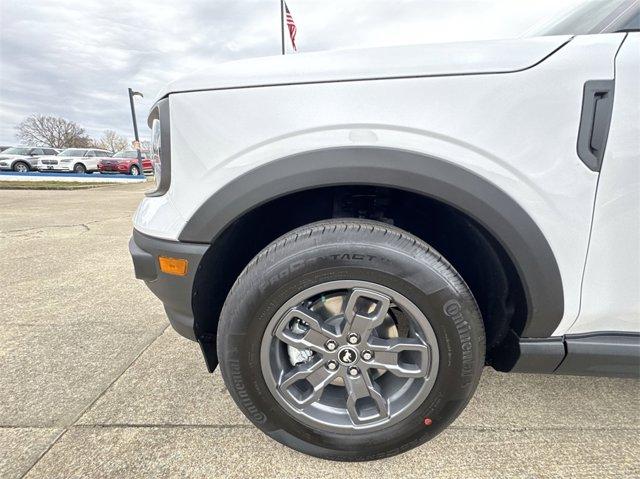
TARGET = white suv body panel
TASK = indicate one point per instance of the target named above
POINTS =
(460, 58)
(517, 130)
(611, 289)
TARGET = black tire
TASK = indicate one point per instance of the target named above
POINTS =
(134, 170)
(21, 167)
(355, 250)
(79, 168)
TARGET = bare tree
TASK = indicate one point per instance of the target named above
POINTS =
(43, 130)
(112, 141)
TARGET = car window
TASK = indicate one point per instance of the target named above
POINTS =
(588, 18)
(37, 151)
(49, 151)
(126, 154)
(633, 24)
(90, 153)
(72, 152)
(16, 151)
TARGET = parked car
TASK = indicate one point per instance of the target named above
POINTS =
(386, 222)
(77, 160)
(23, 159)
(126, 162)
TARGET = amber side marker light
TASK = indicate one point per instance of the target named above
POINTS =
(174, 266)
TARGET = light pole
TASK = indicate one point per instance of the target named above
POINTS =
(135, 126)
(282, 25)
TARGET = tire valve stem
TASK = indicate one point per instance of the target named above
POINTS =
(428, 421)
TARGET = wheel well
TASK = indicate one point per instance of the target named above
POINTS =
(489, 272)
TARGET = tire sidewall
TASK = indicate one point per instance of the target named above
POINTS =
(450, 308)
(21, 163)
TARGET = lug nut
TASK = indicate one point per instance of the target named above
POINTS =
(332, 365)
(367, 355)
(353, 338)
(353, 371)
(331, 345)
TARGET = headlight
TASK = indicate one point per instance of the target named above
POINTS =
(160, 148)
(154, 151)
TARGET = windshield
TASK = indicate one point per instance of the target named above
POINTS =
(16, 151)
(590, 17)
(126, 154)
(72, 152)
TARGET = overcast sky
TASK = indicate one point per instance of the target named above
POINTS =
(76, 58)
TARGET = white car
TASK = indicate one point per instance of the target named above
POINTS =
(354, 235)
(77, 160)
(24, 159)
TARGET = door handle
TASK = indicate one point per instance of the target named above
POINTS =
(595, 120)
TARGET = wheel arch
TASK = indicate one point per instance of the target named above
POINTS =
(24, 162)
(475, 197)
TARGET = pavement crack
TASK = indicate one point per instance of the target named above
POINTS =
(34, 230)
(91, 403)
(40, 456)
(124, 370)
(39, 230)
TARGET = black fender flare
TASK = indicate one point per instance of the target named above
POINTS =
(452, 184)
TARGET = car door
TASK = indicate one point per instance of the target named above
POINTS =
(34, 156)
(91, 160)
(611, 285)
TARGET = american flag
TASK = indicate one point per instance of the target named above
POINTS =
(292, 27)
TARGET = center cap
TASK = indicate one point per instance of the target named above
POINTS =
(347, 355)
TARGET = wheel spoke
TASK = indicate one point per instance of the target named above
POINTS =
(362, 322)
(388, 355)
(316, 377)
(364, 401)
(313, 338)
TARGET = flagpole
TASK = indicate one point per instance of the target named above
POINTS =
(282, 24)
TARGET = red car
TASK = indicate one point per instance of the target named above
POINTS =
(125, 161)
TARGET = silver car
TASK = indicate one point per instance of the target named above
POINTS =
(24, 159)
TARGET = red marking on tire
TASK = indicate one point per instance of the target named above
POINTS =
(427, 421)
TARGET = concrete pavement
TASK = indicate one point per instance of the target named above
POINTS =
(94, 384)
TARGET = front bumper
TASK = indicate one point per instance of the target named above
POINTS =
(174, 291)
(55, 167)
(113, 169)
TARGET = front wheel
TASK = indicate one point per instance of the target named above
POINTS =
(21, 167)
(350, 340)
(135, 171)
(79, 168)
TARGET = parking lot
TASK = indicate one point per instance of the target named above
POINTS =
(93, 382)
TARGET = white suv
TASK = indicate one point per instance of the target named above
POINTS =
(76, 160)
(354, 235)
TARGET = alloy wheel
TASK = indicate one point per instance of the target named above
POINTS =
(347, 355)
